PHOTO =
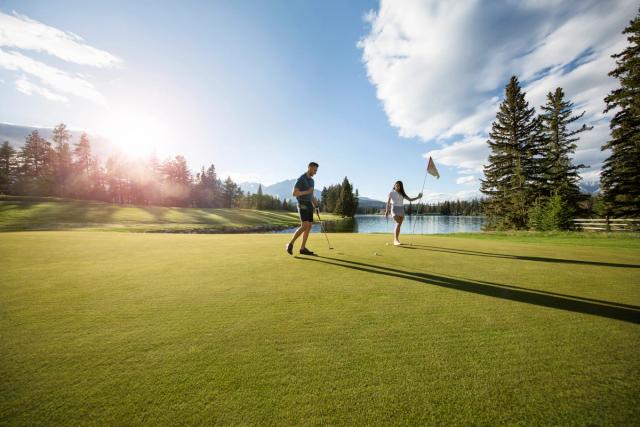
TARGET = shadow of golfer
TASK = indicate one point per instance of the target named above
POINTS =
(518, 257)
(627, 313)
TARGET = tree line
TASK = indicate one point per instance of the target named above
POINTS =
(58, 168)
(531, 180)
(340, 199)
(471, 207)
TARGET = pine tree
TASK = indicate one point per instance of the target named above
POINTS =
(356, 202)
(116, 180)
(346, 204)
(259, 198)
(177, 181)
(36, 159)
(82, 153)
(230, 193)
(154, 185)
(63, 159)
(558, 144)
(206, 189)
(620, 175)
(323, 199)
(7, 167)
(508, 181)
(82, 166)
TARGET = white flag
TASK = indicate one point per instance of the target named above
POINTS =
(431, 168)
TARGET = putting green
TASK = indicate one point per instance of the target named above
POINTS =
(127, 328)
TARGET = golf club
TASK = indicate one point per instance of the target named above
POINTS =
(322, 228)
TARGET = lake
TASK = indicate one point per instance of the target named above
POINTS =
(423, 224)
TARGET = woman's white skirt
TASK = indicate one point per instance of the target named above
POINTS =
(398, 210)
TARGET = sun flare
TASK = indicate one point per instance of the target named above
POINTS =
(136, 133)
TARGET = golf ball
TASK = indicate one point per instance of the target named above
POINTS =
(387, 243)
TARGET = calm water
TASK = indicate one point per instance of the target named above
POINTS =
(428, 224)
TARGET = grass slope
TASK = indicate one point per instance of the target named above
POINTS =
(104, 328)
(19, 214)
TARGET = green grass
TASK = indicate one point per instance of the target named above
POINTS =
(21, 213)
(109, 328)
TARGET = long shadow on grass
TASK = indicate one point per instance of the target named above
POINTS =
(539, 291)
(627, 313)
(518, 257)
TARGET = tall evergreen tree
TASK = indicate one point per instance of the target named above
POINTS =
(558, 144)
(7, 167)
(177, 181)
(63, 159)
(620, 175)
(259, 198)
(323, 199)
(346, 204)
(116, 180)
(508, 177)
(153, 185)
(36, 165)
(82, 154)
(207, 188)
(231, 193)
(82, 166)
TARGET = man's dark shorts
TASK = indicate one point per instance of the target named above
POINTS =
(305, 209)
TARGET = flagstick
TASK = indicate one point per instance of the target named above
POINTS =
(419, 201)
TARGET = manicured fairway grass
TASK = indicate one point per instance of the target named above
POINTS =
(127, 328)
(21, 213)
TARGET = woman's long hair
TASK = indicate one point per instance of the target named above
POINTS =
(401, 190)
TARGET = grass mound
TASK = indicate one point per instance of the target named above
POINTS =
(21, 213)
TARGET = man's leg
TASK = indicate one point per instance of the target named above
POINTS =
(297, 234)
(305, 233)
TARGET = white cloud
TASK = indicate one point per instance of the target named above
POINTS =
(591, 176)
(25, 86)
(55, 78)
(21, 32)
(468, 155)
(458, 195)
(466, 179)
(437, 66)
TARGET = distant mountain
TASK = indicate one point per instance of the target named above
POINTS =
(366, 202)
(281, 190)
(17, 134)
(590, 187)
(250, 187)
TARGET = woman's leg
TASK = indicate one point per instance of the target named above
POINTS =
(398, 219)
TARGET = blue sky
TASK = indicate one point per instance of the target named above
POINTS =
(259, 88)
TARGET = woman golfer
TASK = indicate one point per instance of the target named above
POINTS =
(395, 204)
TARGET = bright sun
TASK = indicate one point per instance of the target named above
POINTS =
(135, 133)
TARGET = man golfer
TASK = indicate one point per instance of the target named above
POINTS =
(303, 191)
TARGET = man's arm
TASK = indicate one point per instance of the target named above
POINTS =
(297, 192)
